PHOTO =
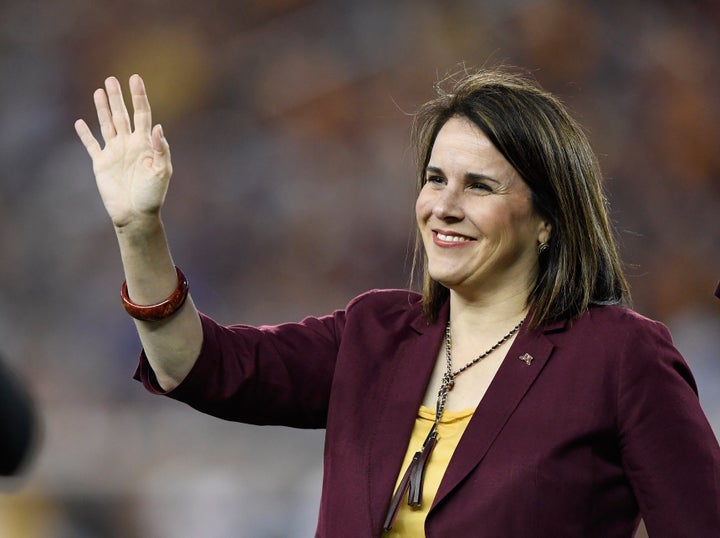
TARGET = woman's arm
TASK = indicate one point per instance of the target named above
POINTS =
(132, 172)
(670, 453)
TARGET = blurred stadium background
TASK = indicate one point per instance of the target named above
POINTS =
(293, 192)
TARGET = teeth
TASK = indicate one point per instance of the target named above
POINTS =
(455, 238)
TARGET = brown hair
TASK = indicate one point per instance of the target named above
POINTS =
(548, 148)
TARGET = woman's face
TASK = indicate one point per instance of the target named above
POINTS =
(475, 215)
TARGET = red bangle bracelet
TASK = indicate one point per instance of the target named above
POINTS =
(156, 312)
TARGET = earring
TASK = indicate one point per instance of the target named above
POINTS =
(542, 247)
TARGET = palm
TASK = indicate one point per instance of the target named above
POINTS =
(130, 179)
(133, 169)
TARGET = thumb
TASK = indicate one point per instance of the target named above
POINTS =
(159, 142)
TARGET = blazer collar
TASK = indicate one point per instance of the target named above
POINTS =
(522, 365)
(409, 376)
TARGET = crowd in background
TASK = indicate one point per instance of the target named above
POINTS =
(293, 191)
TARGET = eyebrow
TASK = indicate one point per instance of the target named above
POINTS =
(471, 176)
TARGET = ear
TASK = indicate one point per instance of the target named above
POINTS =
(544, 232)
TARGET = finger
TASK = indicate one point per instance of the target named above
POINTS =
(107, 128)
(86, 137)
(142, 115)
(119, 112)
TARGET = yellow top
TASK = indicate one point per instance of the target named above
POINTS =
(410, 521)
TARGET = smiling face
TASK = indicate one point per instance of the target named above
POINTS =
(476, 217)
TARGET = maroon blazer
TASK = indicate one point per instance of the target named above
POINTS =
(604, 424)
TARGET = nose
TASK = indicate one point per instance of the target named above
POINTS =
(447, 205)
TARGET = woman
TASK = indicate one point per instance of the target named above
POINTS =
(514, 397)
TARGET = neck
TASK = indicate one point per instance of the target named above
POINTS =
(487, 312)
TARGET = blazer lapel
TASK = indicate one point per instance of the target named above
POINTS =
(409, 375)
(523, 363)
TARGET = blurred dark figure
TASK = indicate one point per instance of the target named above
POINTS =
(17, 423)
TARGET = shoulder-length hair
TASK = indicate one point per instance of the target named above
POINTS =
(534, 132)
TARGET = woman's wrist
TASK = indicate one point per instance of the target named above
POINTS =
(142, 225)
(141, 237)
(146, 259)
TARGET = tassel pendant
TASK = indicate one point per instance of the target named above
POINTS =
(412, 480)
(400, 493)
(418, 476)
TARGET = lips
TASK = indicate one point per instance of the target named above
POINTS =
(451, 237)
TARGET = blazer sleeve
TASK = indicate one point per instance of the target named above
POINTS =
(669, 451)
(278, 374)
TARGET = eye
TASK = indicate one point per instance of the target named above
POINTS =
(480, 186)
(435, 179)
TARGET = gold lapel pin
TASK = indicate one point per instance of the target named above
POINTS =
(526, 358)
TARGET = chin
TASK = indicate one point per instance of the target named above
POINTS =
(448, 281)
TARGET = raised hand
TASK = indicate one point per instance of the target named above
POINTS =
(133, 169)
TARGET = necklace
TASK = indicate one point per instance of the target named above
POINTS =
(412, 480)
